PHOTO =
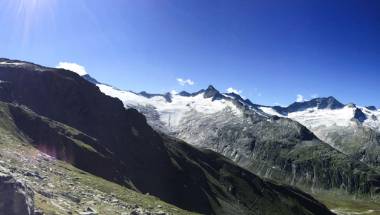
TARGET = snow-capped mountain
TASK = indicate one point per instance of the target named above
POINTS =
(327, 112)
(325, 117)
(270, 146)
(169, 111)
(349, 128)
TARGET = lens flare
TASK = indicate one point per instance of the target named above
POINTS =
(27, 13)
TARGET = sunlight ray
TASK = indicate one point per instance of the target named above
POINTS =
(29, 12)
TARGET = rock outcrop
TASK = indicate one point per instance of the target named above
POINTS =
(15, 197)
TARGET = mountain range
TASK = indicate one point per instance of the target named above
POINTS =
(274, 142)
(318, 145)
(77, 150)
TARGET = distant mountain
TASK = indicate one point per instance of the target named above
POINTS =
(318, 103)
(90, 79)
(351, 129)
(69, 118)
(270, 146)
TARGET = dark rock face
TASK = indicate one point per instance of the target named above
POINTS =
(373, 117)
(359, 115)
(238, 99)
(15, 197)
(213, 93)
(320, 103)
(153, 163)
(90, 79)
(184, 93)
(371, 108)
(69, 145)
(166, 96)
(65, 97)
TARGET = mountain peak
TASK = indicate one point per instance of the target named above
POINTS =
(320, 103)
(332, 99)
(3, 59)
(210, 87)
(90, 79)
(211, 92)
(184, 93)
(326, 103)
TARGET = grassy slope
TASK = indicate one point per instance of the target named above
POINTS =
(348, 205)
(18, 155)
(119, 192)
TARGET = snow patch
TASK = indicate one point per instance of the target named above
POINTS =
(270, 111)
(80, 70)
(314, 118)
(12, 63)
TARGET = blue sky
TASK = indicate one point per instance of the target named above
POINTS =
(271, 50)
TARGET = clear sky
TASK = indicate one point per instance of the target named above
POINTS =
(271, 50)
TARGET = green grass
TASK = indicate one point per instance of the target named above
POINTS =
(120, 192)
(348, 204)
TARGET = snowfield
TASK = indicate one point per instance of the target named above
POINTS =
(314, 118)
(171, 112)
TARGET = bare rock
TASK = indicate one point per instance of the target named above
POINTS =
(15, 197)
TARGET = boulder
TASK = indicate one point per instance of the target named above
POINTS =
(15, 197)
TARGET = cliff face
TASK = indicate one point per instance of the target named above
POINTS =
(70, 119)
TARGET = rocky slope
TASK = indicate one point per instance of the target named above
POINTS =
(80, 124)
(271, 146)
(57, 187)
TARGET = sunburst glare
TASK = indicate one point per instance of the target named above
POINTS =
(29, 12)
